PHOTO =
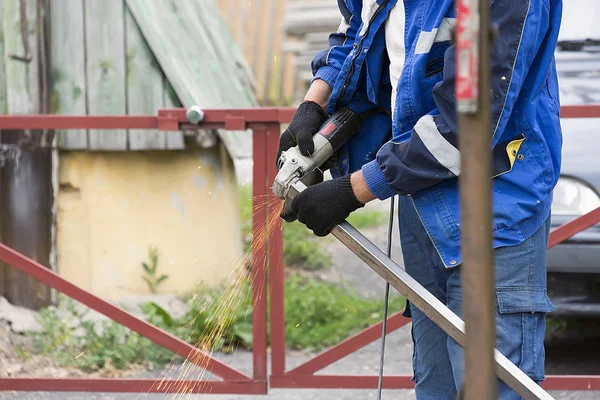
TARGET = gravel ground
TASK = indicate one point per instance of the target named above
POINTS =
(569, 355)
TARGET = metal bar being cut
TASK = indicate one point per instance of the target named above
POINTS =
(426, 302)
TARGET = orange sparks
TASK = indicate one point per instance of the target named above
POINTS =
(221, 315)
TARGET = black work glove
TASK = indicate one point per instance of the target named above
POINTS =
(323, 206)
(306, 122)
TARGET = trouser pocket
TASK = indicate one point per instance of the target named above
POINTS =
(521, 326)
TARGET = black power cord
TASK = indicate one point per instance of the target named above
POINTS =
(385, 304)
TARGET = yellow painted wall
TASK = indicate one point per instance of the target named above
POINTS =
(113, 205)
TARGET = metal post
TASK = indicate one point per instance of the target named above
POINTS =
(259, 257)
(473, 104)
(276, 270)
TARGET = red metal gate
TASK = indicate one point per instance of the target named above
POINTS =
(265, 124)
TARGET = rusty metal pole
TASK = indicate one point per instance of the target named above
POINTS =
(474, 120)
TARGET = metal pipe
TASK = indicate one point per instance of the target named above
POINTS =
(477, 269)
(426, 302)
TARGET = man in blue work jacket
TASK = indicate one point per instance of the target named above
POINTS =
(399, 55)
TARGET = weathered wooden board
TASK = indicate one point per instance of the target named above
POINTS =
(106, 82)
(219, 38)
(252, 28)
(206, 42)
(257, 26)
(207, 69)
(3, 105)
(68, 70)
(22, 78)
(289, 77)
(274, 76)
(305, 36)
(264, 45)
(145, 90)
(174, 138)
(300, 17)
(227, 48)
(33, 68)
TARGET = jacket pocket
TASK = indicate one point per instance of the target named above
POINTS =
(505, 154)
(444, 214)
(434, 67)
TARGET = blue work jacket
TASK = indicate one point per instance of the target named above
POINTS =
(416, 152)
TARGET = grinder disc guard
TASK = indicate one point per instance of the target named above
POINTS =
(311, 178)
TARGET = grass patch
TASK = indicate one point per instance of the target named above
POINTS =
(302, 249)
(75, 341)
(363, 219)
(318, 315)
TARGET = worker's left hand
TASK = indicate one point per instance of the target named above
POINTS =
(323, 206)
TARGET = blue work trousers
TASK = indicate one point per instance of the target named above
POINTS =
(521, 304)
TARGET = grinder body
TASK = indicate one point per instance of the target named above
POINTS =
(294, 166)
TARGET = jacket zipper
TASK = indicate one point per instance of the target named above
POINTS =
(358, 50)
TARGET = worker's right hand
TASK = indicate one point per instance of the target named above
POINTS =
(306, 122)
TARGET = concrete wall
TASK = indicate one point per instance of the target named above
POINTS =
(113, 205)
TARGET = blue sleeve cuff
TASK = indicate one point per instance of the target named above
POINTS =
(376, 181)
(327, 73)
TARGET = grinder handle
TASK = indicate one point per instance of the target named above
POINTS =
(340, 127)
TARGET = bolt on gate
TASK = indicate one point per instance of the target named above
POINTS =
(266, 259)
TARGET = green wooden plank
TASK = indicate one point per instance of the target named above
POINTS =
(33, 68)
(164, 46)
(227, 47)
(22, 91)
(106, 88)
(202, 63)
(3, 104)
(219, 41)
(174, 138)
(210, 64)
(68, 67)
(219, 50)
(144, 86)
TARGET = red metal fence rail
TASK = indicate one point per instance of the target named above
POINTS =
(265, 124)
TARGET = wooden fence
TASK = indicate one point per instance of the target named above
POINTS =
(278, 39)
(257, 27)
